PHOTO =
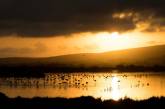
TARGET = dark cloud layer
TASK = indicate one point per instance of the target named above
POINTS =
(39, 18)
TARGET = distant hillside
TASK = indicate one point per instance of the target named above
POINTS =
(145, 56)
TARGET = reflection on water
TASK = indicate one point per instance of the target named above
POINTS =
(103, 85)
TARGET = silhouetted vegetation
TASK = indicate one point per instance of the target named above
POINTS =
(39, 70)
(79, 103)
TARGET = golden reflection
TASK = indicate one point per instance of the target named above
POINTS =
(137, 86)
(115, 93)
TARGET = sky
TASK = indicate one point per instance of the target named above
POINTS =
(43, 28)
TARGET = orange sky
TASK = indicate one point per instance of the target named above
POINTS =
(77, 43)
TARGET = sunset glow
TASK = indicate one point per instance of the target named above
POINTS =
(114, 41)
(77, 43)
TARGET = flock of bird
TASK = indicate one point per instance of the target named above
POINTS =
(67, 80)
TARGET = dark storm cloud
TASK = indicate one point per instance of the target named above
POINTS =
(39, 18)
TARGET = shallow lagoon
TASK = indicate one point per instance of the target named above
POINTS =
(104, 85)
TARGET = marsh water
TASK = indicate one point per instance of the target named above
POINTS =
(104, 85)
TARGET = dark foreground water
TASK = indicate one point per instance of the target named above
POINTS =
(104, 85)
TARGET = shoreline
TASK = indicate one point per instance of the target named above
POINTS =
(39, 71)
(83, 102)
(38, 74)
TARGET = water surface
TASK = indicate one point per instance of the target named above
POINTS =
(104, 85)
